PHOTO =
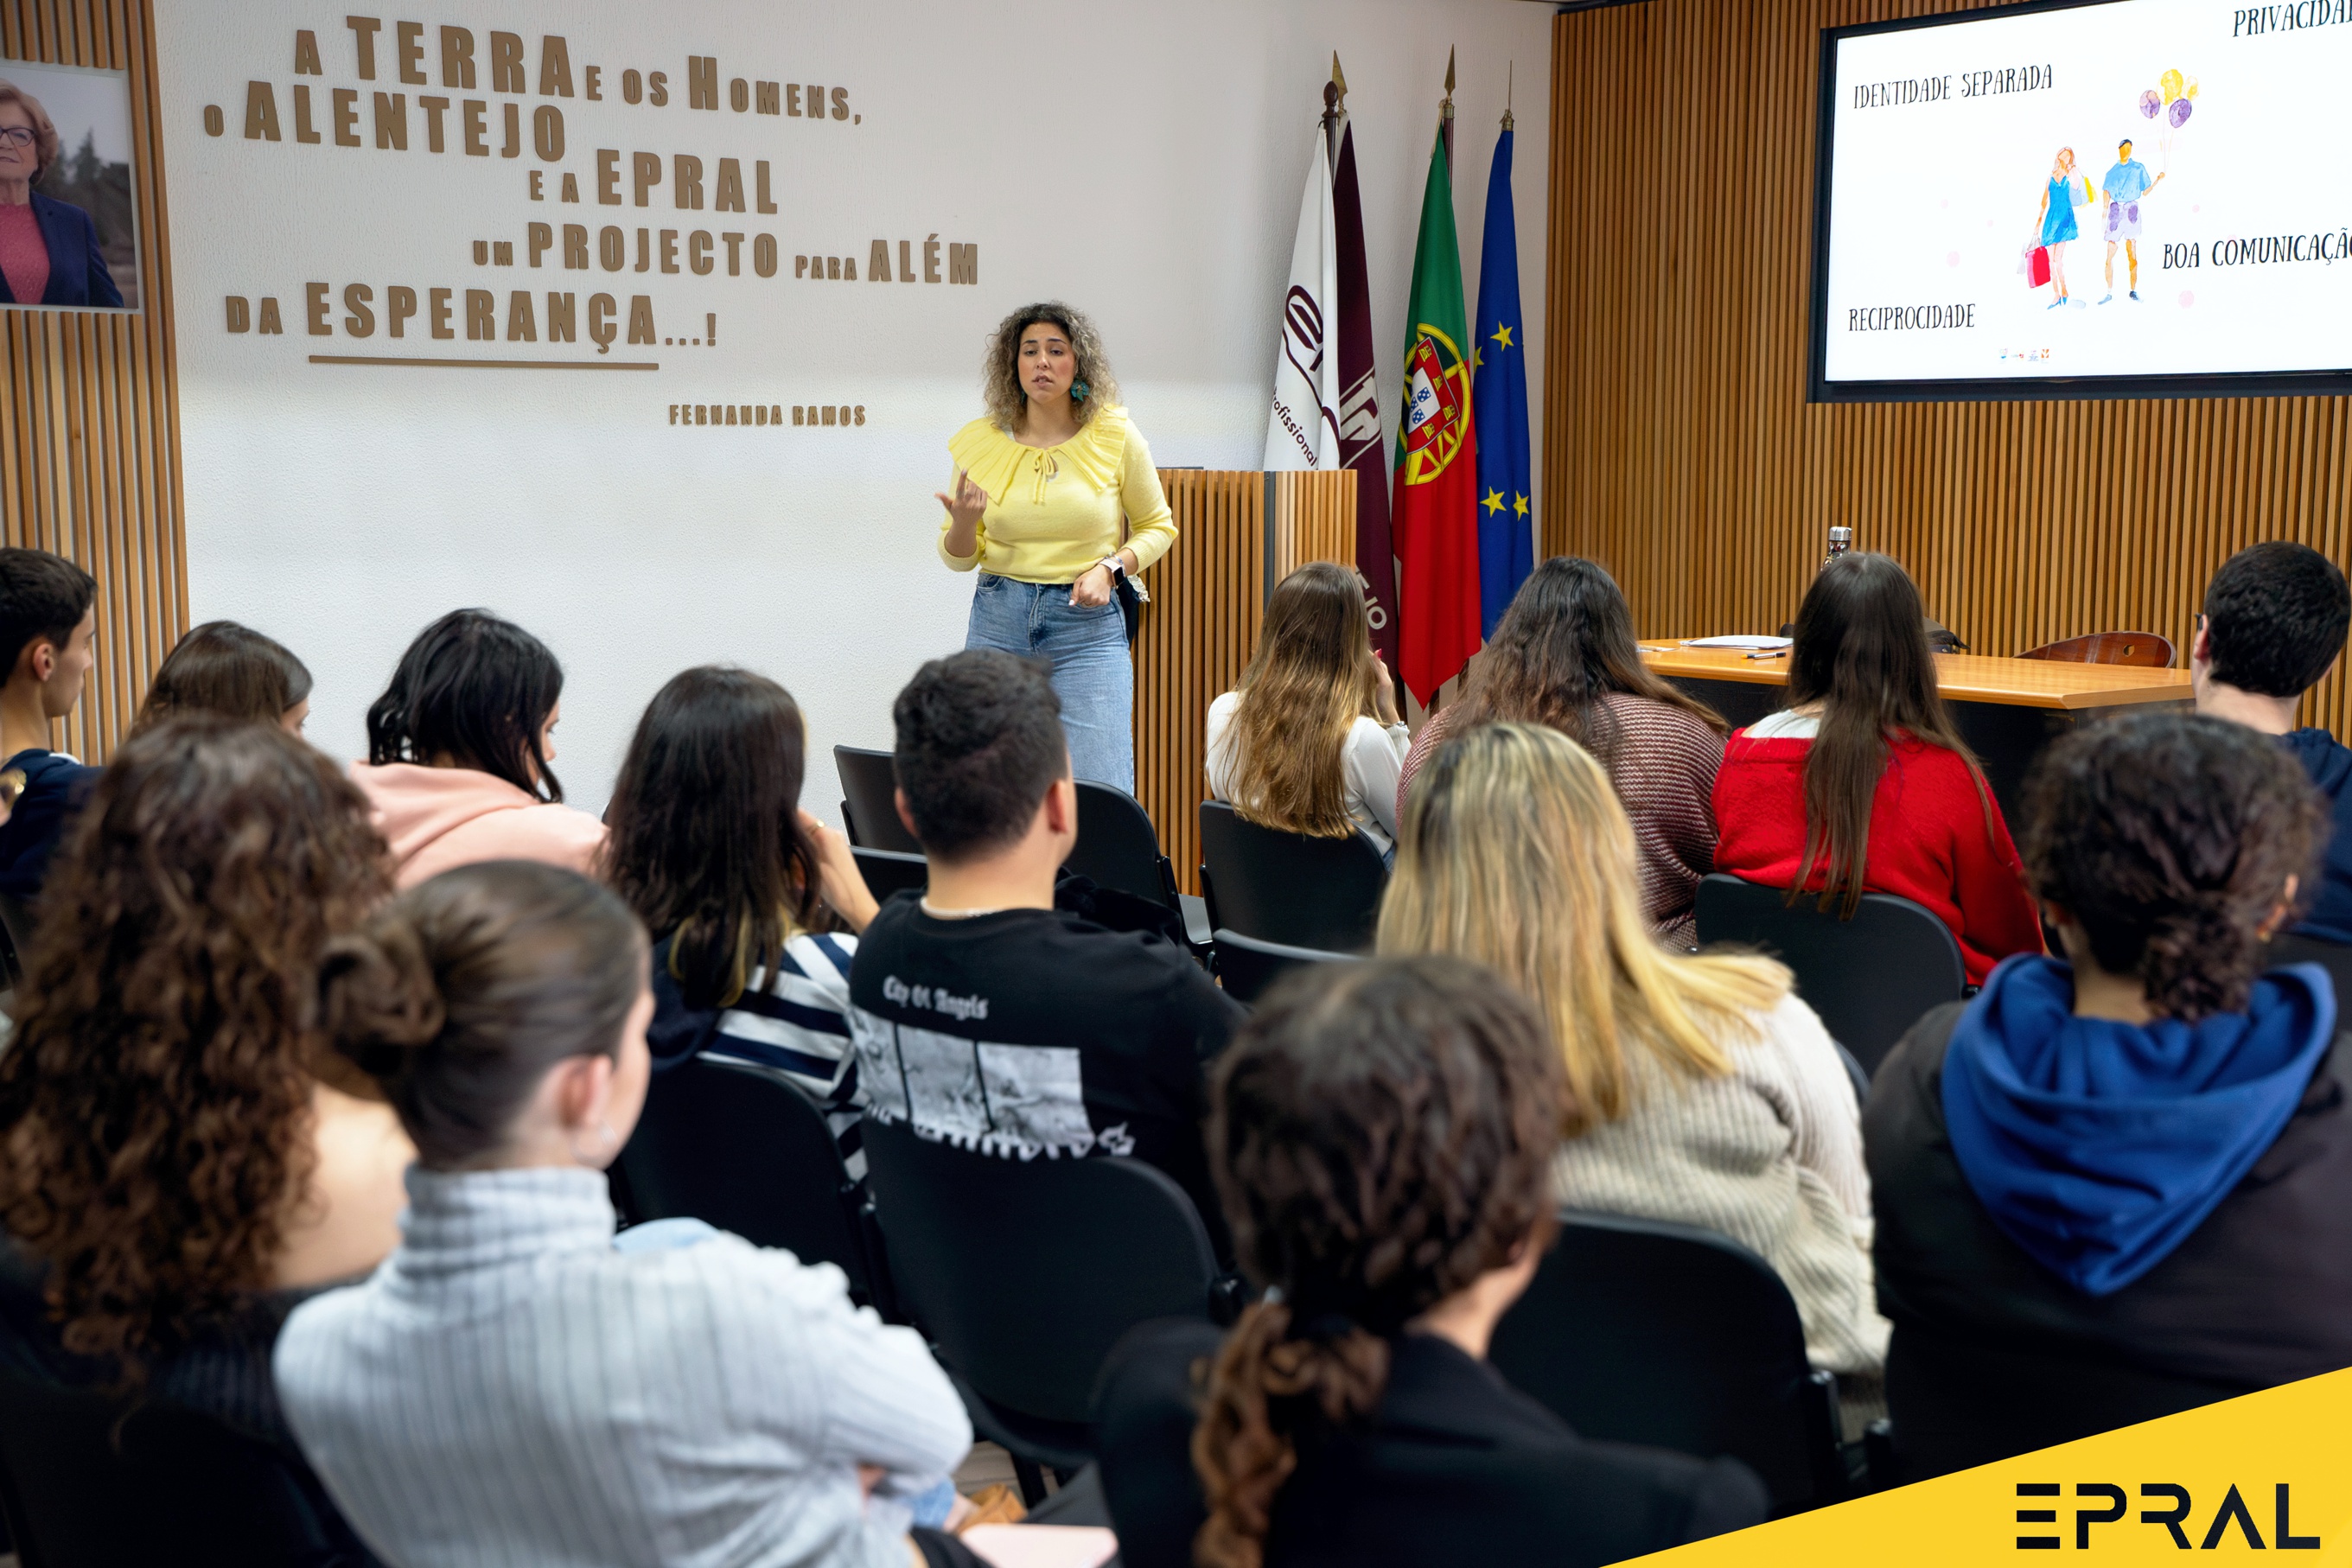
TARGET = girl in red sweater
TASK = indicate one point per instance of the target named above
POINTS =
(1862, 784)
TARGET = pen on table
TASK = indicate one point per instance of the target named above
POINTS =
(1770, 653)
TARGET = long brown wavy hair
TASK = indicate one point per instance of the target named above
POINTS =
(1000, 379)
(1310, 678)
(155, 1102)
(1381, 1136)
(1860, 651)
(1566, 642)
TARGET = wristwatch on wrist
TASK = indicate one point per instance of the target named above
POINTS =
(1117, 567)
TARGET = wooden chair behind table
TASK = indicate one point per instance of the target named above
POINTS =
(1322, 893)
(2146, 649)
(1639, 1331)
(1025, 1273)
(1870, 978)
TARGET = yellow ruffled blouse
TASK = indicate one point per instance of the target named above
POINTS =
(1055, 512)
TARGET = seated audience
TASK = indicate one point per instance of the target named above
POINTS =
(1700, 1088)
(2119, 1186)
(512, 1386)
(180, 1164)
(1862, 784)
(1310, 741)
(711, 849)
(2274, 622)
(1381, 1136)
(224, 668)
(1096, 1040)
(458, 748)
(1564, 654)
(48, 617)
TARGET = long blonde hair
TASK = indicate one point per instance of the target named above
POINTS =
(1309, 680)
(1515, 852)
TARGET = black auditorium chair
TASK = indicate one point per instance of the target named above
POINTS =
(870, 803)
(1643, 1332)
(1870, 978)
(1322, 893)
(2291, 947)
(887, 871)
(1247, 966)
(84, 1485)
(1119, 847)
(743, 1148)
(1024, 1273)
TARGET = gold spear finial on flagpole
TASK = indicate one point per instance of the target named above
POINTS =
(1448, 109)
(1338, 79)
(1508, 82)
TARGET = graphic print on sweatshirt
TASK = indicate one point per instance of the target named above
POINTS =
(1004, 1099)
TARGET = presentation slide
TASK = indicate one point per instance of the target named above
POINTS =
(2129, 193)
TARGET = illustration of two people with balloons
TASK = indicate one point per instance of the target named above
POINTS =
(2122, 188)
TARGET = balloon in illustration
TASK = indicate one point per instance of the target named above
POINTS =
(2149, 103)
(2180, 115)
(2188, 87)
(2170, 82)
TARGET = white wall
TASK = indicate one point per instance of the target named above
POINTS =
(1142, 161)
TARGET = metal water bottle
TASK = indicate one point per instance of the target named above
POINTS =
(1840, 541)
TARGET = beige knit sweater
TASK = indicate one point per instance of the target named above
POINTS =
(1770, 1156)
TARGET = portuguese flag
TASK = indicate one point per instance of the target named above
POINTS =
(1436, 508)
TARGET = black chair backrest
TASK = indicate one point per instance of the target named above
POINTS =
(1644, 1331)
(1025, 1272)
(1870, 978)
(2336, 957)
(1248, 967)
(741, 1147)
(179, 1486)
(1117, 847)
(871, 790)
(1321, 893)
(889, 871)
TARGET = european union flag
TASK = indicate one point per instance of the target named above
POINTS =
(1499, 401)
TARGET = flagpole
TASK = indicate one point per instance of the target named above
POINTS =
(1446, 115)
(1335, 107)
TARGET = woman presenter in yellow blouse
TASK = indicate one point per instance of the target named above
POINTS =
(1043, 481)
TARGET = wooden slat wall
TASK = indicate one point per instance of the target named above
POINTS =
(1678, 446)
(89, 447)
(1207, 600)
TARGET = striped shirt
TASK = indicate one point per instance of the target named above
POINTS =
(794, 1022)
(509, 1389)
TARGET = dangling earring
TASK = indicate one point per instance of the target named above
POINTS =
(1079, 390)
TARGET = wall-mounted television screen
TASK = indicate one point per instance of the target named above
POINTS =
(2084, 198)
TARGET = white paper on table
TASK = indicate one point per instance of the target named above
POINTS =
(1746, 642)
(1042, 1545)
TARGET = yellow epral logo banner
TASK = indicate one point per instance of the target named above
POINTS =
(2270, 1472)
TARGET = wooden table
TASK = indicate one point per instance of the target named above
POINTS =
(2007, 709)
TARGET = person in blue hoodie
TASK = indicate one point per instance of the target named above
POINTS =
(48, 618)
(2118, 1184)
(2273, 625)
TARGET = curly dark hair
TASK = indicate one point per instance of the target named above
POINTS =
(1381, 1136)
(1000, 376)
(2170, 839)
(156, 1098)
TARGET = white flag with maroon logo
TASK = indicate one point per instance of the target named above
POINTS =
(1303, 431)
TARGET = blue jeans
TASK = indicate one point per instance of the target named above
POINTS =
(1093, 674)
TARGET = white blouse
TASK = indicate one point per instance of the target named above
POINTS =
(1372, 760)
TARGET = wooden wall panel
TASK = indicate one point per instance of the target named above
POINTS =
(90, 450)
(1678, 446)
(1314, 520)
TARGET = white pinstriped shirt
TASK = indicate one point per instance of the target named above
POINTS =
(509, 1390)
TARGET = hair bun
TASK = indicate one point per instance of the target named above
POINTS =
(378, 998)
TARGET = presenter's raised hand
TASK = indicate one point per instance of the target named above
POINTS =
(839, 881)
(964, 509)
